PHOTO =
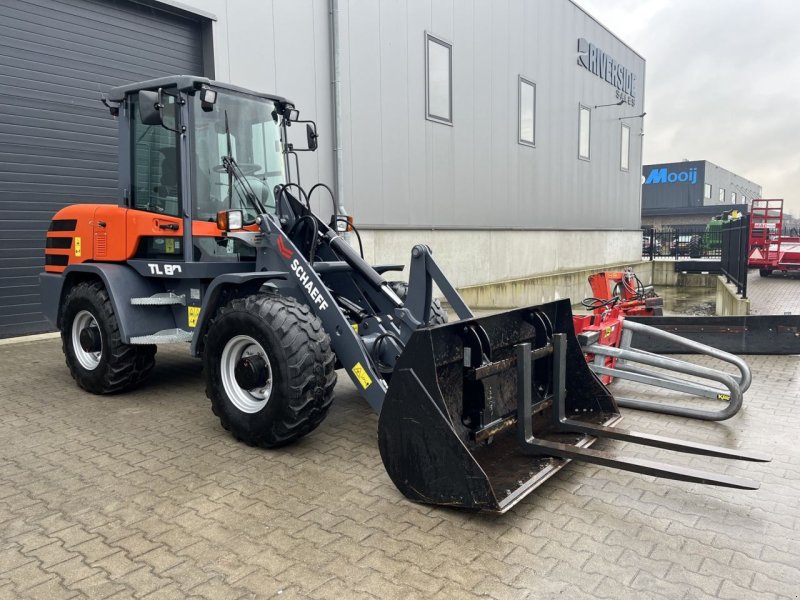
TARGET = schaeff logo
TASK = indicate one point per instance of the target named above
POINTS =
(594, 60)
(663, 175)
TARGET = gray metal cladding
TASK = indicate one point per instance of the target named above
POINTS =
(58, 144)
(679, 187)
(402, 170)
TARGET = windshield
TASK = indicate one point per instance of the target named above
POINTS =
(255, 145)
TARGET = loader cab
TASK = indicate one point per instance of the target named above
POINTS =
(174, 133)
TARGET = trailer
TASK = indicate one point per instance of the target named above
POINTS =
(769, 250)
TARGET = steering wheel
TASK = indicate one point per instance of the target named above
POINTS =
(245, 168)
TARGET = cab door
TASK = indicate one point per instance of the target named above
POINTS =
(155, 220)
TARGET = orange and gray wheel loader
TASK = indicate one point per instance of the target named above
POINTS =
(213, 242)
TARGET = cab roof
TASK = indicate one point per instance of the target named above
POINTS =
(185, 83)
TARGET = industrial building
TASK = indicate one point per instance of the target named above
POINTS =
(507, 136)
(691, 192)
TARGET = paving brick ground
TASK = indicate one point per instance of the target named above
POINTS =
(144, 495)
(774, 295)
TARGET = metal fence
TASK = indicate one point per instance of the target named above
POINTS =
(681, 243)
(734, 253)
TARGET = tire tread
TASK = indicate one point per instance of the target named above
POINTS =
(309, 362)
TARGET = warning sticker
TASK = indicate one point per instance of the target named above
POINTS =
(362, 376)
(756, 255)
(169, 246)
(194, 312)
(77, 246)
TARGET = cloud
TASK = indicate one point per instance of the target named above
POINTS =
(722, 83)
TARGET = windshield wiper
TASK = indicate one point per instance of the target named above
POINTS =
(234, 172)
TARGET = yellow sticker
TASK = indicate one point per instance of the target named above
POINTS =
(607, 332)
(362, 376)
(77, 246)
(169, 245)
(355, 327)
(725, 397)
(194, 313)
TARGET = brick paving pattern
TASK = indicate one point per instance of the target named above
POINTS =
(144, 495)
(774, 295)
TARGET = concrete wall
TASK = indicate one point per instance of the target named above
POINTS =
(572, 284)
(662, 272)
(728, 302)
(481, 257)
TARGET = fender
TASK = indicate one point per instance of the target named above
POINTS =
(122, 284)
(245, 283)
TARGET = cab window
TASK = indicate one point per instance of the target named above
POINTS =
(247, 128)
(155, 173)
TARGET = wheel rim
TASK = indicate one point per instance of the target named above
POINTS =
(237, 348)
(89, 360)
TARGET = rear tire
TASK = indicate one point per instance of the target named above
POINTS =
(765, 272)
(291, 389)
(106, 365)
(695, 246)
(438, 313)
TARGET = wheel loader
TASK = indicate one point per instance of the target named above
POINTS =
(213, 242)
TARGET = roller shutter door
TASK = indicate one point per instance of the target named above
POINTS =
(58, 144)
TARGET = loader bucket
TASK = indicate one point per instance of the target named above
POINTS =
(447, 429)
(480, 412)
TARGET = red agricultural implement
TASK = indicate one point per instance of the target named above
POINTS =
(606, 338)
(768, 249)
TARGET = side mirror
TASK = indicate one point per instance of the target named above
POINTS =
(150, 107)
(311, 137)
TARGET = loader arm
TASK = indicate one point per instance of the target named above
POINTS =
(277, 252)
(385, 324)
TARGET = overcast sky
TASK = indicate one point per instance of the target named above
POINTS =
(722, 83)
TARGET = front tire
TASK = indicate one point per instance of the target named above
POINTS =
(97, 358)
(269, 370)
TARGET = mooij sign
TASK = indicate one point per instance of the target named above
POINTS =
(597, 62)
(664, 175)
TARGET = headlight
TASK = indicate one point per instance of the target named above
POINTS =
(228, 220)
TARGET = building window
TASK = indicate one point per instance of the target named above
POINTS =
(733, 197)
(625, 148)
(722, 194)
(584, 132)
(438, 80)
(527, 112)
(707, 191)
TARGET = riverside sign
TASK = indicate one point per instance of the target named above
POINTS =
(597, 62)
